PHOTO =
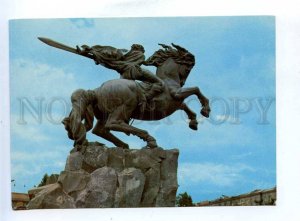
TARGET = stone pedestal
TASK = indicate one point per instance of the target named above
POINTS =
(101, 177)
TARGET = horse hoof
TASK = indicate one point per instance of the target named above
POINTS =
(205, 111)
(152, 144)
(149, 147)
(193, 124)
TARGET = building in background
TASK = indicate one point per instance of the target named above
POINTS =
(19, 200)
(254, 198)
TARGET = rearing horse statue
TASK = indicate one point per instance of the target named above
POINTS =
(118, 101)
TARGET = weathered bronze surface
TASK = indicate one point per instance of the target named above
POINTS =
(139, 94)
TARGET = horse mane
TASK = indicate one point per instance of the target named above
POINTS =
(179, 54)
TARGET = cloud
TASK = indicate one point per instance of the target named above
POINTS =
(24, 161)
(241, 156)
(253, 76)
(222, 118)
(29, 165)
(29, 156)
(209, 180)
(215, 174)
(33, 79)
(31, 132)
(19, 171)
(83, 22)
(176, 133)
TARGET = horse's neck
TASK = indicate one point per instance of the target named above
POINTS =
(169, 71)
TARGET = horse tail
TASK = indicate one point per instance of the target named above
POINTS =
(82, 110)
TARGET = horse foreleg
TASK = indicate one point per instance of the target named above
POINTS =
(191, 115)
(183, 93)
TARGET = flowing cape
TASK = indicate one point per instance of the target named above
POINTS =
(113, 58)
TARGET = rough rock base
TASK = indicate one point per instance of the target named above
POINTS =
(101, 177)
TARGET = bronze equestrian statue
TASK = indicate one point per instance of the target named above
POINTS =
(116, 102)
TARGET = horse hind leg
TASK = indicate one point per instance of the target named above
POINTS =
(101, 131)
(123, 127)
(118, 121)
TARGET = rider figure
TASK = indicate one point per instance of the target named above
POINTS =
(128, 65)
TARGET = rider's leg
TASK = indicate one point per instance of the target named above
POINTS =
(157, 83)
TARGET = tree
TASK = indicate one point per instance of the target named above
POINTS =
(44, 180)
(184, 200)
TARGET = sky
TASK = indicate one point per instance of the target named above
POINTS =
(233, 152)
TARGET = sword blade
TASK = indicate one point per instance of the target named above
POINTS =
(61, 46)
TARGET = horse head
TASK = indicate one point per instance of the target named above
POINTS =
(172, 62)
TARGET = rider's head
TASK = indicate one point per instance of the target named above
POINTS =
(137, 47)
